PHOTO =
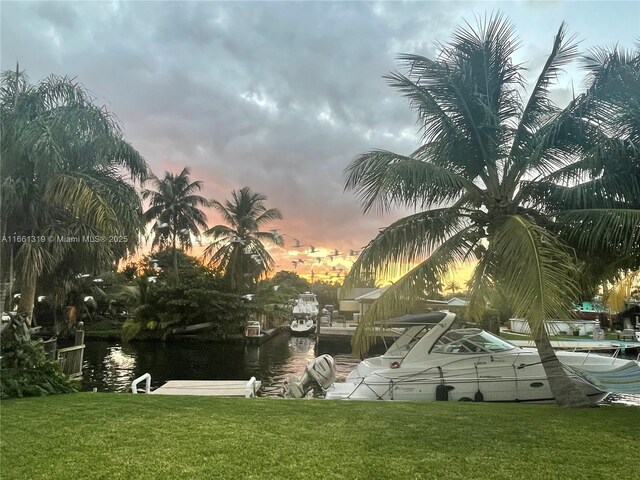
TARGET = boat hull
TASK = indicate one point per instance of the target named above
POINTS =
(529, 389)
(303, 332)
(502, 377)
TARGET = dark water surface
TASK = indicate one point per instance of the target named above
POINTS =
(111, 366)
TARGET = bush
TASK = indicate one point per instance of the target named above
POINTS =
(490, 321)
(27, 373)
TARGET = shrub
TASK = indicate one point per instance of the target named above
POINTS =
(26, 372)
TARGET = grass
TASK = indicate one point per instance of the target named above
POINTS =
(114, 436)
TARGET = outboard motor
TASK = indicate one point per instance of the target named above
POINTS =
(320, 372)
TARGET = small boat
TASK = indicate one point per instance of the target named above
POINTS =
(253, 333)
(252, 329)
(305, 315)
(302, 326)
(428, 363)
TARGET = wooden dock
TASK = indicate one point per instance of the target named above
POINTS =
(210, 388)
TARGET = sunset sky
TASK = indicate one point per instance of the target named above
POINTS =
(277, 96)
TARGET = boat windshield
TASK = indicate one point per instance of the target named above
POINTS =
(407, 340)
(470, 340)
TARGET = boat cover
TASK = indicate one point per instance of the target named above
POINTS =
(624, 379)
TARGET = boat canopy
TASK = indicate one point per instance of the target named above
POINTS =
(470, 340)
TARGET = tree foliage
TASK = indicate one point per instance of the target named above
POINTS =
(532, 188)
(64, 163)
(237, 249)
(27, 373)
(175, 210)
(161, 307)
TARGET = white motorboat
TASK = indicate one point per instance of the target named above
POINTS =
(302, 326)
(468, 364)
(252, 329)
(305, 314)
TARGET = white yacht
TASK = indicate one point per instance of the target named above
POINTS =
(305, 314)
(428, 363)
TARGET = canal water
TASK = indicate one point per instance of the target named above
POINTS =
(110, 366)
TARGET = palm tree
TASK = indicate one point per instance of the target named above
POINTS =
(175, 208)
(519, 178)
(237, 248)
(65, 199)
(453, 286)
(618, 294)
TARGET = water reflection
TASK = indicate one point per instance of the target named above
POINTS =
(111, 366)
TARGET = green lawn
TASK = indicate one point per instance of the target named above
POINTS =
(112, 436)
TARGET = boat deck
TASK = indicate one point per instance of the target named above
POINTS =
(209, 388)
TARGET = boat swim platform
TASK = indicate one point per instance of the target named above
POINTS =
(209, 388)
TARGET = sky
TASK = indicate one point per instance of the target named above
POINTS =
(277, 96)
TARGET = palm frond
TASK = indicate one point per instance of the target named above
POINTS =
(404, 242)
(601, 230)
(80, 199)
(382, 179)
(622, 290)
(540, 108)
(538, 268)
(271, 237)
(403, 294)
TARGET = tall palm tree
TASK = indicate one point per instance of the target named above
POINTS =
(519, 179)
(65, 195)
(237, 248)
(453, 286)
(175, 210)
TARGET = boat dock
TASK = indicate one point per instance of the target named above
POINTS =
(208, 388)
(205, 388)
(584, 345)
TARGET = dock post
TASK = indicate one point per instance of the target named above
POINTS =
(79, 334)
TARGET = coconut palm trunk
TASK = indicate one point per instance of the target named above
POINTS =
(563, 389)
(175, 255)
(27, 294)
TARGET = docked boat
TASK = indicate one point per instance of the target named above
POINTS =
(252, 329)
(428, 363)
(305, 315)
(254, 334)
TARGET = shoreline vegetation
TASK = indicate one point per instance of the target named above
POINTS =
(152, 436)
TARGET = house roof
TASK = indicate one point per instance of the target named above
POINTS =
(452, 302)
(371, 296)
(457, 302)
(354, 293)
